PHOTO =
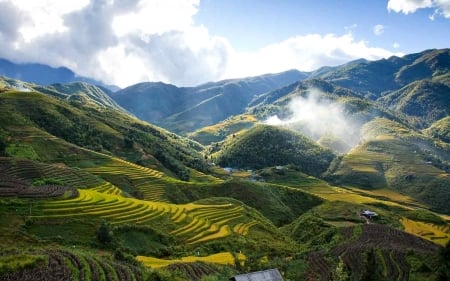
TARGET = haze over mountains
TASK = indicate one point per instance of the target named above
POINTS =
(138, 172)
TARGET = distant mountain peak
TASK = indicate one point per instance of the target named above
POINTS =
(45, 75)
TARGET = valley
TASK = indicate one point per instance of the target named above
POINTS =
(159, 182)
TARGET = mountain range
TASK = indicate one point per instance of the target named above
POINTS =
(205, 182)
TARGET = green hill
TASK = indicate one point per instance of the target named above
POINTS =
(426, 101)
(29, 119)
(376, 77)
(440, 129)
(264, 146)
(393, 156)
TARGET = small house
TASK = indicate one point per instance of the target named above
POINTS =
(369, 214)
(265, 275)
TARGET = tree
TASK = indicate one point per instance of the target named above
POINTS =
(444, 269)
(104, 233)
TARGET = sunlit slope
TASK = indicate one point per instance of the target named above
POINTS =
(220, 131)
(225, 258)
(30, 119)
(191, 223)
(144, 183)
(439, 130)
(392, 156)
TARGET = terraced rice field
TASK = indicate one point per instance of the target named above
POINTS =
(27, 169)
(148, 181)
(108, 188)
(225, 258)
(435, 233)
(192, 223)
(197, 176)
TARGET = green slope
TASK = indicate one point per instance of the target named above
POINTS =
(29, 118)
(264, 146)
(393, 156)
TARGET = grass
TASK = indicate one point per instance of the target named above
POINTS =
(224, 258)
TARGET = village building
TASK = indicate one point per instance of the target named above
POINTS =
(368, 214)
(265, 275)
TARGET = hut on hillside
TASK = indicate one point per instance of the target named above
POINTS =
(369, 214)
(265, 275)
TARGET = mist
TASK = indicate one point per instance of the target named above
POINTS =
(321, 119)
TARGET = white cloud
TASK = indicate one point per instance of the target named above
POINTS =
(124, 42)
(441, 7)
(305, 53)
(378, 29)
(316, 116)
(396, 45)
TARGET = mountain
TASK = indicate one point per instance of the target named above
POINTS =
(148, 204)
(76, 92)
(44, 74)
(424, 100)
(183, 110)
(374, 78)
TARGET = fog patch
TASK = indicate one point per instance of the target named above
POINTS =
(321, 119)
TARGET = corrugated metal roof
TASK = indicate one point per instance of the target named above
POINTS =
(266, 275)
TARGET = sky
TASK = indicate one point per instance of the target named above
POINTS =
(190, 42)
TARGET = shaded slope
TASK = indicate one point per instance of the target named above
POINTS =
(424, 100)
(183, 110)
(376, 77)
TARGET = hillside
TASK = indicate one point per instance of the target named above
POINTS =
(184, 110)
(90, 192)
(376, 77)
(440, 130)
(264, 146)
(35, 117)
(424, 101)
(392, 156)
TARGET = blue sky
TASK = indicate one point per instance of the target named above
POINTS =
(252, 24)
(189, 42)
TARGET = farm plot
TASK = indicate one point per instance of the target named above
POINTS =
(225, 258)
(191, 223)
(149, 182)
(435, 233)
(382, 248)
(31, 170)
(12, 186)
(65, 265)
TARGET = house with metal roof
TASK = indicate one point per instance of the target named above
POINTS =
(369, 214)
(265, 275)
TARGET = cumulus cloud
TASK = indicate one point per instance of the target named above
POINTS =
(378, 29)
(441, 7)
(129, 41)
